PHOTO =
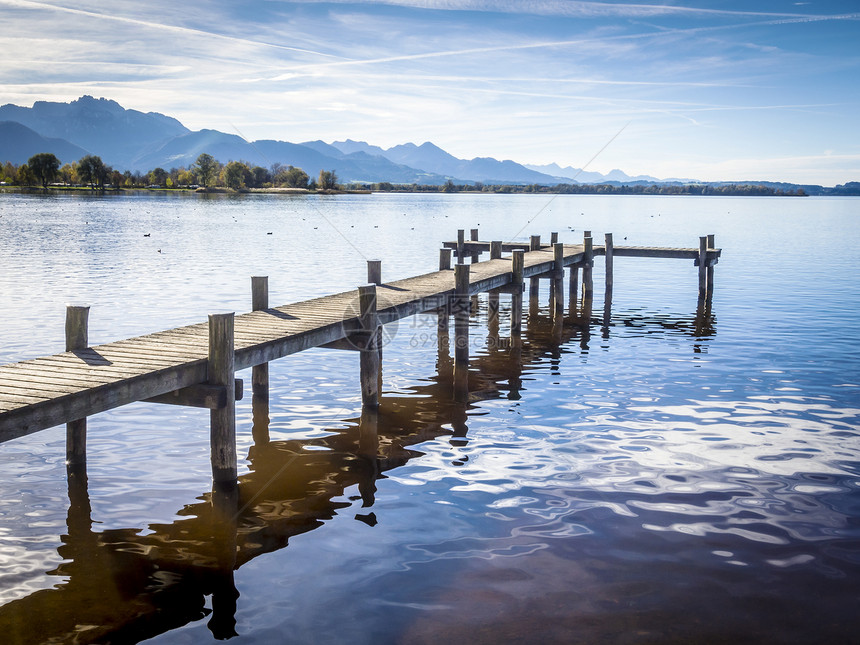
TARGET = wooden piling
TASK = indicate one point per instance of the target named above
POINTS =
(703, 268)
(461, 240)
(374, 271)
(534, 283)
(553, 238)
(587, 264)
(517, 260)
(369, 355)
(222, 421)
(444, 259)
(476, 255)
(461, 314)
(493, 296)
(496, 250)
(77, 337)
(609, 251)
(260, 373)
(573, 289)
(558, 282)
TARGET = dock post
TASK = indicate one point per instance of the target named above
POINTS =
(461, 241)
(222, 422)
(77, 337)
(558, 283)
(476, 255)
(369, 355)
(444, 259)
(553, 238)
(703, 268)
(374, 271)
(587, 264)
(710, 288)
(534, 283)
(493, 296)
(461, 314)
(260, 373)
(517, 260)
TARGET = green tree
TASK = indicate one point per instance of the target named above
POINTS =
(44, 167)
(206, 168)
(158, 177)
(235, 174)
(295, 178)
(260, 176)
(92, 171)
(25, 176)
(327, 180)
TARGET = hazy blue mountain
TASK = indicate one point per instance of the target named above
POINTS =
(18, 143)
(101, 126)
(184, 150)
(433, 159)
(590, 177)
(325, 148)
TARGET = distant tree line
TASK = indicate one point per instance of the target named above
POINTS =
(44, 170)
(589, 189)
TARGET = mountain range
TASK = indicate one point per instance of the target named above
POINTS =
(132, 140)
(142, 141)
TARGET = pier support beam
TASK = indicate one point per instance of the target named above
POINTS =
(77, 337)
(710, 287)
(476, 255)
(703, 268)
(517, 260)
(461, 240)
(493, 296)
(260, 373)
(374, 271)
(222, 422)
(587, 267)
(534, 283)
(573, 289)
(461, 309)
(369, 357)
(557, 283)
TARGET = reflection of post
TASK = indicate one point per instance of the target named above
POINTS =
(222, 422)
(461, 331)
(517, 295)
(368, 448)
(607, 294)
(260, 373)
(77, 337)
(369, 354)
(225, 507)
(573, 289)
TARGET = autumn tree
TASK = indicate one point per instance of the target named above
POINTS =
(44, 167)
(236, 174)
(327, 180)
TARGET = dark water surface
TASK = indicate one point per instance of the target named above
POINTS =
(664, 478)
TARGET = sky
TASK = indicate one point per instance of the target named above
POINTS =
(716, 91)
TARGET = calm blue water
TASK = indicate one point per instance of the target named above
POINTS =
(660, 479)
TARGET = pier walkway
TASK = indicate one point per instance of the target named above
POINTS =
(195, 365)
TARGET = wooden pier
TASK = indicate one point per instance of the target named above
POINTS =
(195, 365)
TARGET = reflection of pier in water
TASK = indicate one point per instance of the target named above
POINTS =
(122, 586)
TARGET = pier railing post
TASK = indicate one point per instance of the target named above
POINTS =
(77, 337)
(369, 358)
(476, 255)
(607, 294)
(374, 271)
(703, 268)
(553, 238)
(534, 283)
(444, 259)
(222, 431)
(461, 241)
(493, 296)
(517, 260)
(260, 373)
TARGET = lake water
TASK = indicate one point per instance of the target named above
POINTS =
(660, 479)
